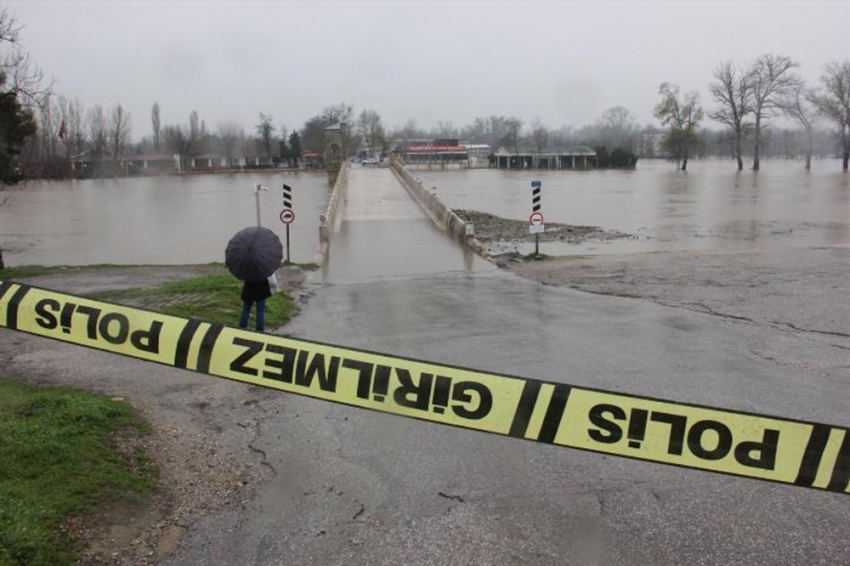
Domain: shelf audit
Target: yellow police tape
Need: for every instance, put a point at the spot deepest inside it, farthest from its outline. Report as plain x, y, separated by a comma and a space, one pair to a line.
731, 442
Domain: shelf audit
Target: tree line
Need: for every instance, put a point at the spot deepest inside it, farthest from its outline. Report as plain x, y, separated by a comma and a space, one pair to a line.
746, 99
44, 134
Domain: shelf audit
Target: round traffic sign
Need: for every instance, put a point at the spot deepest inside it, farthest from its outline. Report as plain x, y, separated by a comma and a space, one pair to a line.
287, 216
536, 219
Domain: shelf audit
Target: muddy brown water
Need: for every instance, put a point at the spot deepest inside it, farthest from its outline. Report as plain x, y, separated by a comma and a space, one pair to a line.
711, 206
182, 220
153, 220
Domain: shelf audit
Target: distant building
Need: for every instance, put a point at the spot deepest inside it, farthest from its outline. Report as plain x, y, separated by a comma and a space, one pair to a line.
579, 157
312, 160
436, 153
87, 164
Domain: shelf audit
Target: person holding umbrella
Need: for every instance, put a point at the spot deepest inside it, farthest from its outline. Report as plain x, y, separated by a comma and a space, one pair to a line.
255, 292
253, 255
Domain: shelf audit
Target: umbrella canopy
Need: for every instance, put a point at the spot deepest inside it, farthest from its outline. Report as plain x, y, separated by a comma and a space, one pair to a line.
253, 253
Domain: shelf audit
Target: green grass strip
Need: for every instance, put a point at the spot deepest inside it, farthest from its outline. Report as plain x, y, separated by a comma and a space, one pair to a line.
58, 459
214, 298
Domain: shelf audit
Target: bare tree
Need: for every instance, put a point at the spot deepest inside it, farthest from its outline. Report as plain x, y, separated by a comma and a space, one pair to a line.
22, 75
797, 105
772, 78
185, 141
733, 92
195, 130
47, 132
618, 127
62, 109
120, 127
445, 129
157, 133
265, 131
97, 131
514, 132
540, 135
832, 101
369, 125
230, 134
682, 116
76, 127
403, 135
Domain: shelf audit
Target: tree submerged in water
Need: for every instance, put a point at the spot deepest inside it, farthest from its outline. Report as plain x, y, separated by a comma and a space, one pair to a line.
618, 158
682, 115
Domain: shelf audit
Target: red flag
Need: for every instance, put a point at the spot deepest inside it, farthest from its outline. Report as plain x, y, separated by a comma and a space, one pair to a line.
63, 131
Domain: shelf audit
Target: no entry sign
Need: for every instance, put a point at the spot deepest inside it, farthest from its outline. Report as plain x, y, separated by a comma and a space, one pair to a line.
535, 223
287, 216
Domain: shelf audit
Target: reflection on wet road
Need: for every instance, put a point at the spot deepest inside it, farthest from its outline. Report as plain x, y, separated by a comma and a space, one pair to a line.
384, 234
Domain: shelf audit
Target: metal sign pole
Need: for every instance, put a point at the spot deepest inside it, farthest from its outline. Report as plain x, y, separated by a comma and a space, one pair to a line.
257, 198
288, 256
257, 188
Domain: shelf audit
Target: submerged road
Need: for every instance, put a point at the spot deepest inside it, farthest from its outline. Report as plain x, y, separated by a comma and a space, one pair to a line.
347, 486
384, 234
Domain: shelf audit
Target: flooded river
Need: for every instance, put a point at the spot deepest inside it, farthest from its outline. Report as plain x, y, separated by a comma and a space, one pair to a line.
174, 220
710, 207
154, 220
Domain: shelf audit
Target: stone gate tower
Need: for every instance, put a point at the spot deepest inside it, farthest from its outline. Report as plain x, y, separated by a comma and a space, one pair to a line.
334, 150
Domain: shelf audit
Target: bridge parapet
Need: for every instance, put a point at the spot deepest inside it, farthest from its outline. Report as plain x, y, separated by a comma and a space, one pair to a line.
328, 221
439, 213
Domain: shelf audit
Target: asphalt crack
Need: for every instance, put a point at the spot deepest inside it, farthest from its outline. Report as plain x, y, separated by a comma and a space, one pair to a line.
811, 330
258, 433
451, 497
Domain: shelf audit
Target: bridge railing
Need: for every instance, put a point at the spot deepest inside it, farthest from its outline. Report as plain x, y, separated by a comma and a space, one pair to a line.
328, 221
439, 213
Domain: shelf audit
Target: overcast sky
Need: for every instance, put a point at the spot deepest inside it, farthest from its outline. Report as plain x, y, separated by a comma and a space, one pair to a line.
560, 61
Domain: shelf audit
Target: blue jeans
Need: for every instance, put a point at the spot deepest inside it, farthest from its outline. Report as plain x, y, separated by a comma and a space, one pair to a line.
246, 312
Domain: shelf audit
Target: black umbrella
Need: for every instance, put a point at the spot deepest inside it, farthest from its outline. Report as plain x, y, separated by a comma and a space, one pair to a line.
253, 253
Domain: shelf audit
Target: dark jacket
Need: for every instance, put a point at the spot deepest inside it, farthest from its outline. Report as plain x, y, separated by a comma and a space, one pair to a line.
256, 290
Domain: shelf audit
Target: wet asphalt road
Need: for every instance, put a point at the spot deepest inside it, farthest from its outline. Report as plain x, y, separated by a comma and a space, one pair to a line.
346, 486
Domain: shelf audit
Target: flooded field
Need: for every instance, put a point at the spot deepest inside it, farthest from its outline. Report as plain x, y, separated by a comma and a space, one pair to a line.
155, 220
710, 207
175, 220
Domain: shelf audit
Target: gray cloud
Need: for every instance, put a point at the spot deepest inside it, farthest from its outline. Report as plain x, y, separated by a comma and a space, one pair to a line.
562, 62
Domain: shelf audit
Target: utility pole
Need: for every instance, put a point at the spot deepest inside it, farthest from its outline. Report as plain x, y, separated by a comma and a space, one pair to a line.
257, 189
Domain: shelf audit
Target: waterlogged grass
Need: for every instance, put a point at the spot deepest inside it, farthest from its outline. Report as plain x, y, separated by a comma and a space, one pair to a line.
58, 459
214, 298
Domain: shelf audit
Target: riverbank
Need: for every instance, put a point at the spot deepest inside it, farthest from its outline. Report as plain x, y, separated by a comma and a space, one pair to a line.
795, 288
197, 472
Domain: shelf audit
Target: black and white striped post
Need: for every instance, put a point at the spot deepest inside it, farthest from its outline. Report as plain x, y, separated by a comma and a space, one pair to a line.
536, 219
287, 206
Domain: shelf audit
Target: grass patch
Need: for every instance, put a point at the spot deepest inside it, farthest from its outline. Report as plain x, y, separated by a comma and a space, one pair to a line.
58, 459
214, 298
